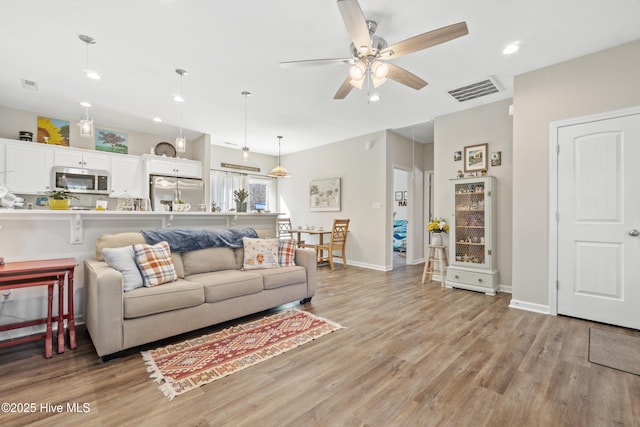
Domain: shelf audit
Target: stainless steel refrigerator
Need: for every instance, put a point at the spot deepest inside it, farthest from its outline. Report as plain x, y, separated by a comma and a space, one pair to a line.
164, 191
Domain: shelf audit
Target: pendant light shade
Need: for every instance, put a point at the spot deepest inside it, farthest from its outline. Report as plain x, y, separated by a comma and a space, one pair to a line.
181, 142
245, 149
279, 171
86, 121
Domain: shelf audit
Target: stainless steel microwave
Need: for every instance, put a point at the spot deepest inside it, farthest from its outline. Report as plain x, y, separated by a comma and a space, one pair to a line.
92, 181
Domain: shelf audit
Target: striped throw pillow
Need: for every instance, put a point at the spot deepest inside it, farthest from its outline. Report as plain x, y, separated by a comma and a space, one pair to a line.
286, 252
155, 263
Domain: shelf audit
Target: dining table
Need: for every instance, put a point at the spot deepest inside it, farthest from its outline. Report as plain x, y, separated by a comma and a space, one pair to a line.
313, 232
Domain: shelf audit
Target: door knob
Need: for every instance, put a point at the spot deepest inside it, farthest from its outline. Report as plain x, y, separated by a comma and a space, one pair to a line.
633, 232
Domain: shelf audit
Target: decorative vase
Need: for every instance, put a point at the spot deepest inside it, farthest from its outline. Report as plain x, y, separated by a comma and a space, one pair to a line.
241, 206
437, 239
59, 204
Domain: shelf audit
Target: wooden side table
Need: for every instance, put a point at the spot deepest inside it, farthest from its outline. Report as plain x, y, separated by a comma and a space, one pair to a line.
436, 253
51, 272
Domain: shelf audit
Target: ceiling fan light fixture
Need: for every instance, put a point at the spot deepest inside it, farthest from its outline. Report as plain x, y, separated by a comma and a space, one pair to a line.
357, 71
377, 82
357, 83
380, 69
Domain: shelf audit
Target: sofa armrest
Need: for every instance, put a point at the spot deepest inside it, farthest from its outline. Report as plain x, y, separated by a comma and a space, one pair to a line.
307, 258
103, 306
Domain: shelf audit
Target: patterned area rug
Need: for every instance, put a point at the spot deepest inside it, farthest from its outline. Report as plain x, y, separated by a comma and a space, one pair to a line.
193, 363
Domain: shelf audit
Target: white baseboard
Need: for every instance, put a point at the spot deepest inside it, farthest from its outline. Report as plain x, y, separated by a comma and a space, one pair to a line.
529, 306
505, 288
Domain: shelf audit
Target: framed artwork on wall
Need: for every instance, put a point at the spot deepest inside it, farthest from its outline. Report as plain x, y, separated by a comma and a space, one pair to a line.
111, 140
53, 131
496, 158
475, 157
324, 194
457, 156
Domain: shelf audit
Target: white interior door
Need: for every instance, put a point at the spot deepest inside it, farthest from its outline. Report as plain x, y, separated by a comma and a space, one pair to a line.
598, 215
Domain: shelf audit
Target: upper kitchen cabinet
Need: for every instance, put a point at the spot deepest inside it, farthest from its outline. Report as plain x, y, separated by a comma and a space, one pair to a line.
83, 159
28, 167
126, 176
186, 168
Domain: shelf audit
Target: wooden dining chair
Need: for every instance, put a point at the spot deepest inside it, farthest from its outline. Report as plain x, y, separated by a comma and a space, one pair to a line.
284, 228
338, 243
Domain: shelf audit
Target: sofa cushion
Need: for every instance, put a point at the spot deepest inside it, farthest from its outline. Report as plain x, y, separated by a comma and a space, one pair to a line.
287, 252
260, 253
207, 260
123, 260
171, 296
155, 263
284, 276
117, 241
222, 285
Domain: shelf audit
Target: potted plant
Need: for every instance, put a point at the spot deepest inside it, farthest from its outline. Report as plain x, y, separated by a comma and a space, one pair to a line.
59, 199
240, 197
437, 226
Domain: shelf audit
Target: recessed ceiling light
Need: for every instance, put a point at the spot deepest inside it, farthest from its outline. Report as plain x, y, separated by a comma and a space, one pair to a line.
157, 119
374, 98
92, 74
85, 104
178, 98
511, 48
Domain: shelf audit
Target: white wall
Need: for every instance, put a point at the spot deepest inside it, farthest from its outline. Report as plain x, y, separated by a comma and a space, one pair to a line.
364, 183
489, 124
604, 81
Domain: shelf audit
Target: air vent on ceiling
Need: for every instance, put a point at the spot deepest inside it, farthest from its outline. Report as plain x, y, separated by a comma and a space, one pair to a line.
29, 84
475, 90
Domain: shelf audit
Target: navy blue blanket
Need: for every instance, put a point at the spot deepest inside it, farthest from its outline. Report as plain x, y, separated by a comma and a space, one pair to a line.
182, 240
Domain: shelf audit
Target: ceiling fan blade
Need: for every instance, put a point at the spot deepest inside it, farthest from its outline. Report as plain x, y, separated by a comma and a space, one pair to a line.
425, 40
315, 62
355, 22
405, 77
344, 89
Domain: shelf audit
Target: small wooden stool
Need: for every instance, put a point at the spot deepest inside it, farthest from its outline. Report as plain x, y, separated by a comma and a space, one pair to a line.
439, 251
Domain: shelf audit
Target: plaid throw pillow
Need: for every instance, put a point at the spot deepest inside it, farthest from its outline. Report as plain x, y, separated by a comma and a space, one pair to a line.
286, 252
155, 263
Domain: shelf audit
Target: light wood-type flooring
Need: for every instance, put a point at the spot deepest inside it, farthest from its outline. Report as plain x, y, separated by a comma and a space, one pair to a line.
410, 355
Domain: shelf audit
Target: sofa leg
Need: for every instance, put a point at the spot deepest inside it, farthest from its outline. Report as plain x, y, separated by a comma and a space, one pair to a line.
305, 301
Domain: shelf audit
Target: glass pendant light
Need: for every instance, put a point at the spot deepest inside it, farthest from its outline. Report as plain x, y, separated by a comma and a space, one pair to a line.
181, 142
86, 121
245, 149
279, 171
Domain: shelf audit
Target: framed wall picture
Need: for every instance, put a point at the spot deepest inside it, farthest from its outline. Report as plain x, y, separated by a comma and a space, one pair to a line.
53, 131
324, 194
111, 140
457, 156
496, 158
475, 157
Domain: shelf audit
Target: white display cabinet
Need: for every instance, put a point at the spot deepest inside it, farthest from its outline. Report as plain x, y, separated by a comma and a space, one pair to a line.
473, 236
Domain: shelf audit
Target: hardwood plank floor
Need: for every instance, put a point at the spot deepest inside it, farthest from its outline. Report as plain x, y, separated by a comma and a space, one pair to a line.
409, 355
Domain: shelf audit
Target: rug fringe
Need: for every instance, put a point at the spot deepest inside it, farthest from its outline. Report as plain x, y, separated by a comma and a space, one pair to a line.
166, 388
324, 319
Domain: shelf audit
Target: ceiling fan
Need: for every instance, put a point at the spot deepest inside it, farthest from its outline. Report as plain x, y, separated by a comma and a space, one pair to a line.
370, 53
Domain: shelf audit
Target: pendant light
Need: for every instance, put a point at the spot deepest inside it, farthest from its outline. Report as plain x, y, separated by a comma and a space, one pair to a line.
86, 121
279, 171
181, 142
245, 149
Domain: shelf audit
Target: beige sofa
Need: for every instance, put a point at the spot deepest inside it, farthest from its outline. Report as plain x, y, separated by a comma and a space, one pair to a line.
211, 288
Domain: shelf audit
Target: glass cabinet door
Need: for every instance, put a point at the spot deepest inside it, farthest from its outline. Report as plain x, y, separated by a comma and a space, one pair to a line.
469, 235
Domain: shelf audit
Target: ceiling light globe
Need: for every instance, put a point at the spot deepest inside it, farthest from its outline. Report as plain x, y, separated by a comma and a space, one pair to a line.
380, 70
357, 71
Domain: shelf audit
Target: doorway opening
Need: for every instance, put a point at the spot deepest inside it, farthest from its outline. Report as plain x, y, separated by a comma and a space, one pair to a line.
401, 209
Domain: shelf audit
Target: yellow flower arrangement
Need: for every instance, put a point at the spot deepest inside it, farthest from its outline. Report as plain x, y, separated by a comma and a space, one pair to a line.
438, 225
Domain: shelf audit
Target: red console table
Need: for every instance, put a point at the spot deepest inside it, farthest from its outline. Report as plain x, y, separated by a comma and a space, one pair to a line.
49, 273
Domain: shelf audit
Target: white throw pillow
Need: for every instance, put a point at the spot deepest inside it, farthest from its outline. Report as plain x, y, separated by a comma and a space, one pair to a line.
122, 259
260, 253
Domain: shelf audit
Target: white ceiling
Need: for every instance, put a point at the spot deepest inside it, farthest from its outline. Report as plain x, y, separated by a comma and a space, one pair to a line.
228, 47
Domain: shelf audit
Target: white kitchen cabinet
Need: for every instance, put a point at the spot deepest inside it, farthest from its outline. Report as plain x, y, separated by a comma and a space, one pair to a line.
175, 167
84, 159
126, 176
28, 167
473, 236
